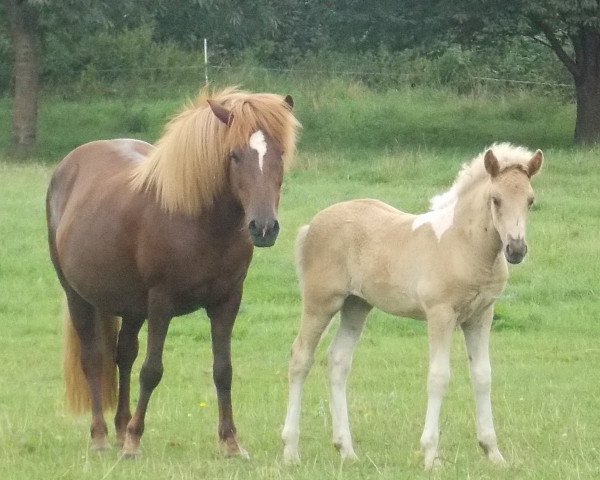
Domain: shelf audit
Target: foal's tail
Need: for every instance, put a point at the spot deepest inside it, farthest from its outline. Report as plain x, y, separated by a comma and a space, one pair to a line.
77, 392
300, 238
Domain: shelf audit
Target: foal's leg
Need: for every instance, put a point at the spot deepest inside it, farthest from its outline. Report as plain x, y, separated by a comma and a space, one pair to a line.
83, 316
315, 318
477, 335
440, 325
222, 319
353, 315
127, 350
159, 318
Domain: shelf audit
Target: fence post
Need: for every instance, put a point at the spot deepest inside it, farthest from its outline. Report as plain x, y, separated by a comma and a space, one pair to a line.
205, 62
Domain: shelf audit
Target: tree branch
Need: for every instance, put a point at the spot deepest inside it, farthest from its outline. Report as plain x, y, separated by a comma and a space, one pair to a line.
555, 45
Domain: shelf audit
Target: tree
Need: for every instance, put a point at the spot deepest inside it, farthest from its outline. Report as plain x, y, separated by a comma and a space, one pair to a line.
571, 29
29, 21
23, 19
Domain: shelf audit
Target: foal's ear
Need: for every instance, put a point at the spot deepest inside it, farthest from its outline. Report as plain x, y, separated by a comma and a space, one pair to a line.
221, 112
535, 163
491, 163
290, 101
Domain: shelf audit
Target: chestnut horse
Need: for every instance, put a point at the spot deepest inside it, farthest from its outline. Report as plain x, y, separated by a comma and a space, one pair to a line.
446, 266
142, 232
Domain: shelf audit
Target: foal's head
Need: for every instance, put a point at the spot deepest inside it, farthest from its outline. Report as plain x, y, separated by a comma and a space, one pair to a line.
511, 197
255, 176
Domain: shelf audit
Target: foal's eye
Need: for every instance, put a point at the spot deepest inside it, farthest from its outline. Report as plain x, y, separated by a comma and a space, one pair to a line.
234, 157
496, 202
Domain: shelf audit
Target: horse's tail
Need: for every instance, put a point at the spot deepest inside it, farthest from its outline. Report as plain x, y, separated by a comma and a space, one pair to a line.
77, 394
300, 238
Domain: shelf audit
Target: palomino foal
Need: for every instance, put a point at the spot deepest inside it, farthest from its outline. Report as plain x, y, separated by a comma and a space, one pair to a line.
446, 266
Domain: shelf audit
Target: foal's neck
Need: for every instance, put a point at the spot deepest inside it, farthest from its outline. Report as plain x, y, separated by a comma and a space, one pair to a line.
473, 217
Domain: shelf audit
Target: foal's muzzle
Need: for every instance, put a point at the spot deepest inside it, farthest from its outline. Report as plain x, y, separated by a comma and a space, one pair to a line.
263, 232
515, 250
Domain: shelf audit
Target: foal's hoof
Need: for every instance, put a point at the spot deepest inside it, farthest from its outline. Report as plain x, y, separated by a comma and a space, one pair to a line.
496, 458
347, 453
433, 464
231, 448
291, 456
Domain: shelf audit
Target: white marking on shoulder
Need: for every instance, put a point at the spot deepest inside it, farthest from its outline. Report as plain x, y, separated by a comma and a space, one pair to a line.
258, 143
440, 219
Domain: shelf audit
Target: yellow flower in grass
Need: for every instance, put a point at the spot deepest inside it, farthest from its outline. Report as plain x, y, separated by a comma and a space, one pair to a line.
202, 404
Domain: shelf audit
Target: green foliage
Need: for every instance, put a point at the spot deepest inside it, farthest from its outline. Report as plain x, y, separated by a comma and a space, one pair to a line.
342, 116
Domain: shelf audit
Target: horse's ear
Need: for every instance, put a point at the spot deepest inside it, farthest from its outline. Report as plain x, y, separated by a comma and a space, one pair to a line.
221, 112
290, 101
535, 163
491, 163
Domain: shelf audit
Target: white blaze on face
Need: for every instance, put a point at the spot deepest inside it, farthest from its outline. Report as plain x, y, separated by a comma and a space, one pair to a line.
440, 219
258, 143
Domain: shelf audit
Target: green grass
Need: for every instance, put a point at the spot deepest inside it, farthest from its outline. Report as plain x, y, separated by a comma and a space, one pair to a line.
545, 348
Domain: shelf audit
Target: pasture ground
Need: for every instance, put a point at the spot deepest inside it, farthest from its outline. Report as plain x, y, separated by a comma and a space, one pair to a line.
545, 346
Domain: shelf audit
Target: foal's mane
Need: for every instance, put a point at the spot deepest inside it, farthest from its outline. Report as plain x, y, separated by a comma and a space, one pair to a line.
508, 155
188, 167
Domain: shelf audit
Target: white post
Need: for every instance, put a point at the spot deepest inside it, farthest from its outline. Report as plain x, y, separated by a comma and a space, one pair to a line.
205, 62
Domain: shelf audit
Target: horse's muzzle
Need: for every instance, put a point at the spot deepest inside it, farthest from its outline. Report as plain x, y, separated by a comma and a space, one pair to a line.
515, 250
263, 233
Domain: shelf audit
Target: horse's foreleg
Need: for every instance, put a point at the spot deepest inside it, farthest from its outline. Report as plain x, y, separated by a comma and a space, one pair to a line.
440, 325
127, 350
159, 318
222, 318
315, 318
353, 316
477, 335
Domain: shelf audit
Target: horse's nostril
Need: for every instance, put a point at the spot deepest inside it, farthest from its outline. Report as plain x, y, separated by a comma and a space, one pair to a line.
276, 227
252, 227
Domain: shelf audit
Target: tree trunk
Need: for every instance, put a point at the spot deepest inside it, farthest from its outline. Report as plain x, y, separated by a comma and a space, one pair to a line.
587, 124
25, 34
587, 86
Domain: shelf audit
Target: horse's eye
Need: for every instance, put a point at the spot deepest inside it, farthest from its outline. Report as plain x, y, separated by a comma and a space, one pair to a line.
497, 202
234, 157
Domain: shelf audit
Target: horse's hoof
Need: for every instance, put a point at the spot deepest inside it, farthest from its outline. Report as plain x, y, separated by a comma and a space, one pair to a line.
231, 448
100, 444
131, 447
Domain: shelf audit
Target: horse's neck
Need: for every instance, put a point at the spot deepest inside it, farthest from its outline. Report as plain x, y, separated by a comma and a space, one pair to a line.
473, 217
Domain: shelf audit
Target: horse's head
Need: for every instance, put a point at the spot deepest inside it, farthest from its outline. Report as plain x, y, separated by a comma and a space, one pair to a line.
255, 175
511, 197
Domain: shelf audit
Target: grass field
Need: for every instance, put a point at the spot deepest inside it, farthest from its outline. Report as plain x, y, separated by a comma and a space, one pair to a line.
545, 345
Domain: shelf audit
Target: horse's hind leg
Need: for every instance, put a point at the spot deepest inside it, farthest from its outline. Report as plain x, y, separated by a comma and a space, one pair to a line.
127, 350
83, 317
477, 334
353, 315
315, 318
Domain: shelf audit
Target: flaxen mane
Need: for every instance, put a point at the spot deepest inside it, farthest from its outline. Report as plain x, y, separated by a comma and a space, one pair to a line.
188, 168
508, 156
